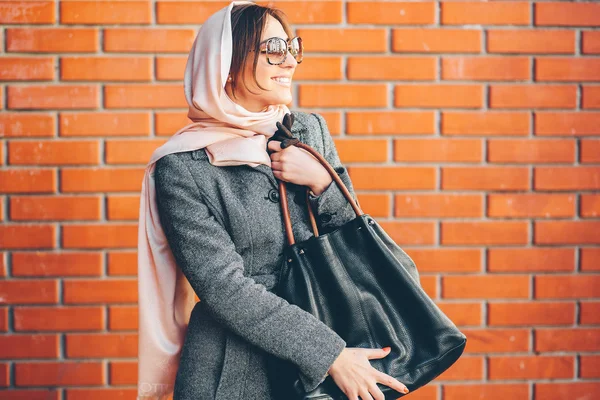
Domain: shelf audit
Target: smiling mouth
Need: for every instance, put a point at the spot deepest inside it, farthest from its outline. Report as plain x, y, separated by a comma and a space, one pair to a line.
282, 81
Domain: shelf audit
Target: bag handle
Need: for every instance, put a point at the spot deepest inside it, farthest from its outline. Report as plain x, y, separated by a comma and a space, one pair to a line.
283, 195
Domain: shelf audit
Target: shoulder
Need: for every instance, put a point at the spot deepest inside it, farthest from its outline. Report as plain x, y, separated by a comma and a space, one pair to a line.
309, 121
170, 166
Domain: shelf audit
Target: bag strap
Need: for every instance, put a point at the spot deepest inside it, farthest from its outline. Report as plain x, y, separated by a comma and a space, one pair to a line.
283, 195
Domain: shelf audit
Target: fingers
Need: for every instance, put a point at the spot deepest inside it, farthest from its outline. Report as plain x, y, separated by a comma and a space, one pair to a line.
378, 353
274, 145
390, 381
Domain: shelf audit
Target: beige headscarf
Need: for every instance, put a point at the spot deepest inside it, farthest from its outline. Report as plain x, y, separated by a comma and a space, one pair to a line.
231, 135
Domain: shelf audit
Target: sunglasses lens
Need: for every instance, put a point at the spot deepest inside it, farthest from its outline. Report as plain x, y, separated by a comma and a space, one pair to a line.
296, 48
276, 50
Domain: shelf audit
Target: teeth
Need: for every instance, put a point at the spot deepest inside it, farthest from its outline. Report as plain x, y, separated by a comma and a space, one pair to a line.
282, 80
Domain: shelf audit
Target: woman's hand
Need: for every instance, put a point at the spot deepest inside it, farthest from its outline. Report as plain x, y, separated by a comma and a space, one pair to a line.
355, 376
298, 166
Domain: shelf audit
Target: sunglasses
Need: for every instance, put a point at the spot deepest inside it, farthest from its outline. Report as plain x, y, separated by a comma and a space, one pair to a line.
277, 48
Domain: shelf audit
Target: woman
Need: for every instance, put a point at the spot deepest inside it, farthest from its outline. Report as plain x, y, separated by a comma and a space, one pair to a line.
210, 215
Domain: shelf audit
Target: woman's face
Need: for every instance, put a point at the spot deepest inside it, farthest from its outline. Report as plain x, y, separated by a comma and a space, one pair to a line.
277, 92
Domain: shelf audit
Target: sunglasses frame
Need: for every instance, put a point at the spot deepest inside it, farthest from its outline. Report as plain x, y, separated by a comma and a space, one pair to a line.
287, 48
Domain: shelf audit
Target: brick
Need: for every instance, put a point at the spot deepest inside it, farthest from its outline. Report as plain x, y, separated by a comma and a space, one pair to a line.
531, 151
20, 291
149, 40
58, 318
489, 123
320, 69
27, 125
167, 123
589, 206
590, 42
429, 284
123, 318
566, 286
529, 205
589, 151
462, 314
48, 208
446, 260
122, 263
101, 345
567, 232
27, 236
120, 151
85, 180
424, 40
376, 205
590, 367
53, 152
309, 12
484, 232
123, 207
393, 178
438, 150
106, 68
105, 12
100, 394
99, 236
27, 69
485, 178
109, 291
144, 96
333, 120
104, 124
344, 40
438, 205
589, 313
567, 69
533, 96
465, 368
590, 97
186, 12
25, 12
567, 339
566, 178
531, 41
33, 374
390, 122
4, 375
590, 259
567, 390
53, 97
533, 259
27, 181
532, 367
392, 68
343, 95
485, 287
27, 264
496, 341
501, 13
410, 233
530, 314
170, 68
567, 123
396, 13
52, 40
438, 96
565, 14
362, 150
122, 372
480, 68
30, 394
29, 346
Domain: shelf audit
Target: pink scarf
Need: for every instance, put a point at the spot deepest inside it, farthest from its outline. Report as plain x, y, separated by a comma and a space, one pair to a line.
231, 135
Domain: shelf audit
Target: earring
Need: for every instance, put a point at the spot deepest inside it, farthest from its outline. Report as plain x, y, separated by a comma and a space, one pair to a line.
229, 79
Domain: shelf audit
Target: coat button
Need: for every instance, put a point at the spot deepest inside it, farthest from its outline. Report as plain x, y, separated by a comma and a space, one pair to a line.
274, 196
325, 217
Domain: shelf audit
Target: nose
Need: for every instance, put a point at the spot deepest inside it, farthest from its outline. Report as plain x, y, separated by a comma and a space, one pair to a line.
289, 62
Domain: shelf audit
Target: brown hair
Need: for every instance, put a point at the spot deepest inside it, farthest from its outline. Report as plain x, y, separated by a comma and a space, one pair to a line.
247, 24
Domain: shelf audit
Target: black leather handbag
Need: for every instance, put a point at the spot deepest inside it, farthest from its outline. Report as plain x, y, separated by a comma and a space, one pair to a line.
360, 283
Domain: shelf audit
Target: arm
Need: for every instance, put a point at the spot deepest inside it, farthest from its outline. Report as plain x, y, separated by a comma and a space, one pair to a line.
331, 207
206, 254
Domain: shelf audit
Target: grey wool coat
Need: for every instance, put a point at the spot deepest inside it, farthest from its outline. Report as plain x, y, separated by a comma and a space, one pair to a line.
225, 228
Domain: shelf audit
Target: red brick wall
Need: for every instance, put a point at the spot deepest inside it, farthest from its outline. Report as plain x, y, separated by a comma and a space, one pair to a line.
471, 131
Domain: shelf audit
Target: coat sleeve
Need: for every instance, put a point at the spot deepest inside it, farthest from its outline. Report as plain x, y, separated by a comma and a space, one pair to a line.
331, 207
206, 254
